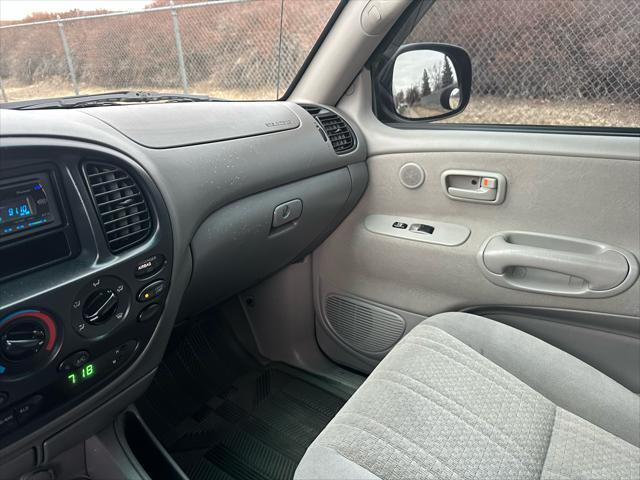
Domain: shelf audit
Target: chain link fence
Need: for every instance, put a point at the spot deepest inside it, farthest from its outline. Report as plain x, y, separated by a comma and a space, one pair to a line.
571, 62
574, 62
239, 49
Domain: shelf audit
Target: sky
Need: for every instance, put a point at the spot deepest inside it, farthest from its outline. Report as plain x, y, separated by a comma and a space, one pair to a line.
19, 9
409, 66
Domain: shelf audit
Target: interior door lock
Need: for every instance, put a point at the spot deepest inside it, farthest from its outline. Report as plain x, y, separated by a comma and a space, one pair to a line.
474, 186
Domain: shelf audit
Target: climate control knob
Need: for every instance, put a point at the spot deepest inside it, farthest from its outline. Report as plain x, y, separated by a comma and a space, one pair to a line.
23, 340
27, 339
100, 306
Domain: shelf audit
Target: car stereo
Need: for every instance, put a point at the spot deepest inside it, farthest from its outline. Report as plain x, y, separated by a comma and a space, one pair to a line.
27, 204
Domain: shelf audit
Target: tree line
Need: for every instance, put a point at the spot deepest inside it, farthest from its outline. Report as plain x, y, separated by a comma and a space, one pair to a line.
230, 46
441, 76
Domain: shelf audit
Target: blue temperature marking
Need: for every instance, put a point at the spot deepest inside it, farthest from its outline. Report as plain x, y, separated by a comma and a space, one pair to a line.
14, 315
37, 187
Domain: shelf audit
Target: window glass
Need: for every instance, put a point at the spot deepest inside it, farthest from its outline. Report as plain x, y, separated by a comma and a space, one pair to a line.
544, 62
241, 50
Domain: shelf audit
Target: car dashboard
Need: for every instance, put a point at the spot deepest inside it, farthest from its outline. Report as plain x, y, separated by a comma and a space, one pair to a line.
118, 222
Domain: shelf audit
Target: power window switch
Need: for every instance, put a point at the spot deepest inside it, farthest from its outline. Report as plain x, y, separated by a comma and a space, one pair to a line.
400, 225
488, 182
421, 228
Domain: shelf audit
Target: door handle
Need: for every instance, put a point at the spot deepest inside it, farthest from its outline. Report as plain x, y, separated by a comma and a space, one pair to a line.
484, 194
556, 265
474, 186
602, 271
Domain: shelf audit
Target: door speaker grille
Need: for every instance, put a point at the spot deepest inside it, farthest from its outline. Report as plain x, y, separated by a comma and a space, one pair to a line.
411, 175
364, 327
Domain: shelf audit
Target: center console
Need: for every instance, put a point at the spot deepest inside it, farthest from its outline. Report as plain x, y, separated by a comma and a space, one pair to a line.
85, 268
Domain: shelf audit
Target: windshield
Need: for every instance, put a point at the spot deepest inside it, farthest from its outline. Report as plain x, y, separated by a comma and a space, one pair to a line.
230, 49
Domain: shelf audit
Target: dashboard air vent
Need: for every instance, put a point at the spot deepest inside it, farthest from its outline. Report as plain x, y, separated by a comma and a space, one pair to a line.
121, 206
312, 109
340, 134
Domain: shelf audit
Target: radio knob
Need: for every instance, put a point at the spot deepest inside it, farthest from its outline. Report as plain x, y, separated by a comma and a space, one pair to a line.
100, 306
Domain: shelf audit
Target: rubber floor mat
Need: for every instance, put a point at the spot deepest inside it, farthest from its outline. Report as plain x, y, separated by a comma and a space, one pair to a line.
223, 416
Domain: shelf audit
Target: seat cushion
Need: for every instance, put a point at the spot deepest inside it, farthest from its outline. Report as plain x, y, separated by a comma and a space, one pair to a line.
437, 408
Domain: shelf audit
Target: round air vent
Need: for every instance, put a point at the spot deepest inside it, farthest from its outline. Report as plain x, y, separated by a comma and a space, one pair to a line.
412, 175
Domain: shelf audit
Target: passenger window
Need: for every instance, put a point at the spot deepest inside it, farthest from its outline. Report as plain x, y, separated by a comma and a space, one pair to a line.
543, 62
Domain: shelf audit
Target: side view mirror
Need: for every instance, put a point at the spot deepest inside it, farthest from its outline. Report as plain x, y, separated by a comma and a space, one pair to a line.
426, 81
450, 98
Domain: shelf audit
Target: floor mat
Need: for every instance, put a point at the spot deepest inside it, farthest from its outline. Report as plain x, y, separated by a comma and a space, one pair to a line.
223, 416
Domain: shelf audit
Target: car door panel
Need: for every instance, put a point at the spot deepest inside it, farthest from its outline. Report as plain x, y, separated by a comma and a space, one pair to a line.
554, 187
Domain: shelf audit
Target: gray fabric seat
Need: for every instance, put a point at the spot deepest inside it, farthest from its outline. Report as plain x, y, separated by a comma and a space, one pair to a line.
462, 396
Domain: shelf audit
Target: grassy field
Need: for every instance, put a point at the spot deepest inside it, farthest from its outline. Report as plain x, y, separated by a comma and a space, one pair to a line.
545, 112
486, 110
514, 111
62, 88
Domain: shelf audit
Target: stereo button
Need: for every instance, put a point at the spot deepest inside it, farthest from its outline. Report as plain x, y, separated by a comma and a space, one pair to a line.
151, 291
150, 312
125, 350
73, 361
80, 359
149, 266
122, 353
7, 422
28, 409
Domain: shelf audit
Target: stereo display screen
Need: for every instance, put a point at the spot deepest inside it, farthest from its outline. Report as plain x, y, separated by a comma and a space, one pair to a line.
16, 208
26, 203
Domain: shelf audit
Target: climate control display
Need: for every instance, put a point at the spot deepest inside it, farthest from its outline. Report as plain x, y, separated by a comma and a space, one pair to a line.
85, 373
